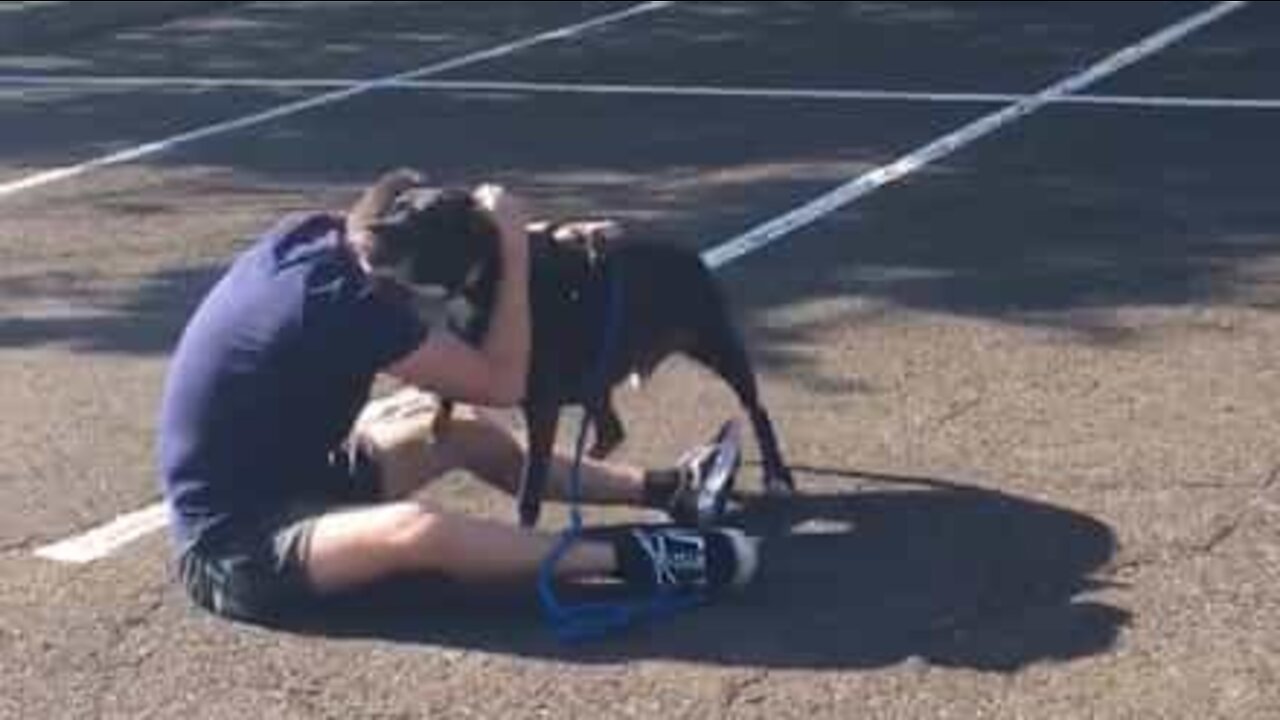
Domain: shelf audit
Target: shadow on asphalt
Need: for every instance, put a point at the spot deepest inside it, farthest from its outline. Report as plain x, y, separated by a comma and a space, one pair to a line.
1070, 216
895, 569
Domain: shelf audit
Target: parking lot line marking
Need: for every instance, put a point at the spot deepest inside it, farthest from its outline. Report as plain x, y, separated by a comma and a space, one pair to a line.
293, 108
578, 88
770, 231
106, 539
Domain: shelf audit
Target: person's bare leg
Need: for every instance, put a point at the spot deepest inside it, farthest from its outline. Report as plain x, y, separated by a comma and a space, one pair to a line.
484, 446
412, 452
350, 548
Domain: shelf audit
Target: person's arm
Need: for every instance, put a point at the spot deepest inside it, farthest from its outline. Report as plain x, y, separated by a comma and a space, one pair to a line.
495, 373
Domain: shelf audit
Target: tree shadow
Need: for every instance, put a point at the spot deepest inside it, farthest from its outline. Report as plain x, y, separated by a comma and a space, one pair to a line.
353, 40
902, 568
1064, 235
56, 310
1071, 215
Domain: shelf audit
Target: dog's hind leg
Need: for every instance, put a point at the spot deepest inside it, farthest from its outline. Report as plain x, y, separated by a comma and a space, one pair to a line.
541, 420
609, 431
720, 348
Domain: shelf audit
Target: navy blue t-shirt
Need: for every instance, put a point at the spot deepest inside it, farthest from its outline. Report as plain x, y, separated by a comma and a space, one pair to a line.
268, 377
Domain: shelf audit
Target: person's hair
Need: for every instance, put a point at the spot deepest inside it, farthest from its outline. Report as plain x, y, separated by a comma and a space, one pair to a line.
376, 202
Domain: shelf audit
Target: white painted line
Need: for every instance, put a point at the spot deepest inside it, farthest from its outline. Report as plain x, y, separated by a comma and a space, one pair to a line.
106, 539
768, 232
136, 82
834, 94
129, 155
1175, 101
103, 541
702, 91
694, 91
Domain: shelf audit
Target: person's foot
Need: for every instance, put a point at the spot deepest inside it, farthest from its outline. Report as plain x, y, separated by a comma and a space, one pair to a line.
686, 560
707, 474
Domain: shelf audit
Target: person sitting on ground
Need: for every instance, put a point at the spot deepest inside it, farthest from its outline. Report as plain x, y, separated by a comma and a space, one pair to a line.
283, 493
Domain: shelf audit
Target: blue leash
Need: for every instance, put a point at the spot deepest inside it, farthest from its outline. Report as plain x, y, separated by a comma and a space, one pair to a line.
587, 621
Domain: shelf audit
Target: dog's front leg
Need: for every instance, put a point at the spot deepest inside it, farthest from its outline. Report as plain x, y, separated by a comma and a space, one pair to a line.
542, 419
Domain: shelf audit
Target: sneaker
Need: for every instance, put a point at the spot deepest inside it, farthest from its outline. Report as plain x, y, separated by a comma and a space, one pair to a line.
707, 473
679, 559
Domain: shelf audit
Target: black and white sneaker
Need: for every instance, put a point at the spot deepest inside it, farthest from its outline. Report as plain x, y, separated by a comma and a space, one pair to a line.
674, 559
707, 474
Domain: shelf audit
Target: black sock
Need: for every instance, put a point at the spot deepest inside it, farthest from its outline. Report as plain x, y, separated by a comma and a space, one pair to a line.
660, 486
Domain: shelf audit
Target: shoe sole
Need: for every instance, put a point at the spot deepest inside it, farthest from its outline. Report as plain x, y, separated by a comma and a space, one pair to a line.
714, 493
746, 551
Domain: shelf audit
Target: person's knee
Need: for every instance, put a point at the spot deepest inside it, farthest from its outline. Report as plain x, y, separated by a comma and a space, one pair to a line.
485, 446
349, 549
413, 534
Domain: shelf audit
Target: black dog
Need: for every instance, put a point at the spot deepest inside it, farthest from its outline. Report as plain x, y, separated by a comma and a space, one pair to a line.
653, 300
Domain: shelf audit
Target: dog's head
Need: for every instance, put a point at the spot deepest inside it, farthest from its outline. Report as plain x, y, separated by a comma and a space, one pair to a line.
428, 237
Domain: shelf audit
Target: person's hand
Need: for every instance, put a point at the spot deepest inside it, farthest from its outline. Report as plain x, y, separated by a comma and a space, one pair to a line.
507, 211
